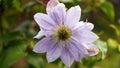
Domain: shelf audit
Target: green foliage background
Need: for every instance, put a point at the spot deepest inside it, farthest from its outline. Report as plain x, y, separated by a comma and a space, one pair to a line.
17, 29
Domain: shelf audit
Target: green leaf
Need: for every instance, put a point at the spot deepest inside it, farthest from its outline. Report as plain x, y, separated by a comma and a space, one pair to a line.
87, 9
108, 9
117, 31
102, 25
24, 26
35, 61
112, 43
8, 4
27, 7
102, 47
119, 47
1, 47
17, 5
10, 36
61, 65
12, 54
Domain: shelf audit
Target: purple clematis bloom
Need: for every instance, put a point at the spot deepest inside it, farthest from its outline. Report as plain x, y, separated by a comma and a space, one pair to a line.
66, 37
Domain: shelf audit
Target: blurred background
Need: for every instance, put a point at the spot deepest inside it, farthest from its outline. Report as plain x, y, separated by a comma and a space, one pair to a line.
17, 29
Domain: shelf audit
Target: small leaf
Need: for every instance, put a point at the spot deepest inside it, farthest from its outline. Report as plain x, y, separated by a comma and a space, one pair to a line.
108, 9
17, 5
10, 36
112, 43
87, 9
117, 31
8, 4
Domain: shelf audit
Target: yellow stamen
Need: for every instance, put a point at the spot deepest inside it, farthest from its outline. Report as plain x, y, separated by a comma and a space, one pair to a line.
63, 33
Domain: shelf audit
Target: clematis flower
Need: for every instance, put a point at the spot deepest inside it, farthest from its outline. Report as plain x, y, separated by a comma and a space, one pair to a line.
66, 37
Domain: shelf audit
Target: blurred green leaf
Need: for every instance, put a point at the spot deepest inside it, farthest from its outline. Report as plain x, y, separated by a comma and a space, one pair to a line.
17, 5
112, 43
116, 29
102, 24
28, 6
13, 4
8, 3
1, 48
13, 54
87, 9
24, 26
35, 61
119, 47
108, 9
61, 65
10, 36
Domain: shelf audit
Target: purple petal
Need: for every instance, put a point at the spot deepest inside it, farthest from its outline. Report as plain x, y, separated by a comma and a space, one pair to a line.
77, 26
82, 51
40, 34
87, 26
66, 57
73, 16
74, 51
92, 49
83, 26
44, 45
85, 36
54, 53
44, 21
58, 14
50, 5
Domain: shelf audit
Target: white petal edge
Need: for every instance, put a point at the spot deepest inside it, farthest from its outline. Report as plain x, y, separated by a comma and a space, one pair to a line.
40, 34
85, 36
73, 16
44, 21
83, 26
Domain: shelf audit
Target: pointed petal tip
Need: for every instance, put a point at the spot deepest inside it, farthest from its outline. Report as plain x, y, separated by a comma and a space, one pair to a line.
36, 15
67, 58
97, 37
49, 61
78, 8
35, 50
35, 37
90, 26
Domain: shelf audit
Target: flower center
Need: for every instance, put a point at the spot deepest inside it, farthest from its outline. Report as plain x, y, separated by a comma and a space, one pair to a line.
63, 33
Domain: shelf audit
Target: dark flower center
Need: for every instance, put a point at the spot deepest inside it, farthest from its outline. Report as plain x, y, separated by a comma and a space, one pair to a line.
63, 33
